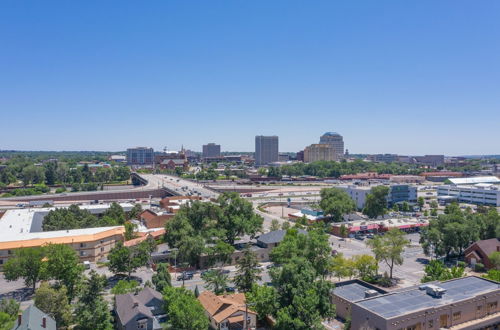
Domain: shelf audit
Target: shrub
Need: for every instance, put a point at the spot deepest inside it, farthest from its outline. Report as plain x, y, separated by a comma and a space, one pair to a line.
462, 264
60, 190
479, 267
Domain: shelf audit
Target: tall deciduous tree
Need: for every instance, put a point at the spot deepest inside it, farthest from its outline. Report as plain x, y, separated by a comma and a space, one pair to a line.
248, 272
184, 310
55, 303
63, 265
28, 264
216, 281
125, 260
376, 202
335, 203
91, 311
389, 248
162, 279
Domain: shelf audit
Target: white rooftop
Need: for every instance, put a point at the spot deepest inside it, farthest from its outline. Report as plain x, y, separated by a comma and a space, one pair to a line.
475, 180
23, 224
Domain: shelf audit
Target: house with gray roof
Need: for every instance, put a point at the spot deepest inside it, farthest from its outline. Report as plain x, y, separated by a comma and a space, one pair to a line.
34, 319
141, 310
273, 238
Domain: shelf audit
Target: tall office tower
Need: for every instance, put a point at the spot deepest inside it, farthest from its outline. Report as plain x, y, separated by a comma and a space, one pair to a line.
336, 141
211, 150
140, 156
266, 149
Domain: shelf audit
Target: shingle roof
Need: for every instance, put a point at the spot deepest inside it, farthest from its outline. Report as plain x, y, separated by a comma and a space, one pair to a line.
488, 246
275, 236
31, 319
131, 307
222, 307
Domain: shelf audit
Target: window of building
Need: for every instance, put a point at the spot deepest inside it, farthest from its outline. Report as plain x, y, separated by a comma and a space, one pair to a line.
492, 307
479, 308
82, 253
1, 261
457, 316
82, 245
102, 249
431, 323
9, 252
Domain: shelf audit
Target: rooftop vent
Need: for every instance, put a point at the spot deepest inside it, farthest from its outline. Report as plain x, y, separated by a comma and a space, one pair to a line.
435, 291
370, 293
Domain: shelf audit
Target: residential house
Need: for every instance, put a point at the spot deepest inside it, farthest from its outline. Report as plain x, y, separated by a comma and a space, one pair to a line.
480, 251
228, 311
273, 238
34, 319
142, 310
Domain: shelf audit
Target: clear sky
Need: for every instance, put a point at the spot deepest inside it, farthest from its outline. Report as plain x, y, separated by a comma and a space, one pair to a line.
407, 77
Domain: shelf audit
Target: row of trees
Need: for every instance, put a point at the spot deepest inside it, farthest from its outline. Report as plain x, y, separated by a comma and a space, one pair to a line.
211, 228
60, 264
74, 218
333, 169
54, 172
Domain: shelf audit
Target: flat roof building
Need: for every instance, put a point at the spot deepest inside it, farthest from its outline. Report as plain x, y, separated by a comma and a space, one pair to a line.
318, 152
479, 194
211, 150
463, 303
266, 150
140, 156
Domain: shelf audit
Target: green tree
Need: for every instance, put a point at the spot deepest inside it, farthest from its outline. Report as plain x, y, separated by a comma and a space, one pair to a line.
116, 212
366, 266
263, 300
421, 202
433, 204
9, 308
27, 264
335, 203
125, 260
303, 300
216, 281
495, 259
376, 202
247, 271
162, 279
91, 311
437, 271
184, 310
275, 225
220, 253
130, 229
344, 231
134, 212
55, 303
238, 217
389, 248
63, 265
124, 286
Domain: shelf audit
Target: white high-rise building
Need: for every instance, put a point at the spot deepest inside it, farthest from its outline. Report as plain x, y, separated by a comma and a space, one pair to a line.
336, 141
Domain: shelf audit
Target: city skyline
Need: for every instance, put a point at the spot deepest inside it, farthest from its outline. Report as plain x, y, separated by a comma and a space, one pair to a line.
390, 77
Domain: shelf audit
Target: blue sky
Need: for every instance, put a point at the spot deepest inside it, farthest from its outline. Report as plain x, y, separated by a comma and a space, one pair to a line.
408, 77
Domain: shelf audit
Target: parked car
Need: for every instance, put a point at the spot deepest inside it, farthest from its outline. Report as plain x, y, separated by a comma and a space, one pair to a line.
230, 289
370, 236
185, 276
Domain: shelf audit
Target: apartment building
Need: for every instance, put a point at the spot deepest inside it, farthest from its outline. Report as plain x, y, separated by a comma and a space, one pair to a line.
463, 303
317, 152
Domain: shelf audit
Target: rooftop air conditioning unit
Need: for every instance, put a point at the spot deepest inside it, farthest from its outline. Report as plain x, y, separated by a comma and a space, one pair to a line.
371, 293
435, 291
